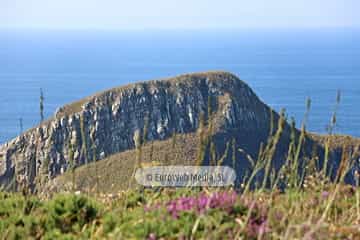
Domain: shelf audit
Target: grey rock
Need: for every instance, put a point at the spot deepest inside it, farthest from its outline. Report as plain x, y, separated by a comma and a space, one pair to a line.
111, 118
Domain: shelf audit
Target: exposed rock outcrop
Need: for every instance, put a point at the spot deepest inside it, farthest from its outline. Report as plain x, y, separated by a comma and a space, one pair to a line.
104, 124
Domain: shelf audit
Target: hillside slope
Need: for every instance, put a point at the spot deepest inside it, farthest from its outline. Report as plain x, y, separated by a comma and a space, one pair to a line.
104, 124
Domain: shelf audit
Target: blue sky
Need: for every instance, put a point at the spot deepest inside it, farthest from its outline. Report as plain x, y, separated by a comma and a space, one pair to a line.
177, 14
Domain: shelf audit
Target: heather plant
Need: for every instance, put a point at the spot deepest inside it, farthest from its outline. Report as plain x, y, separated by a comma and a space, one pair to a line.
213, 156
292, 172
29, 218
221, 160
201, 203
208, 214
202, 140
44, 175
45, 166
233, 151
267, 154
42, 98
146, 129
173, 144
96, 172
151, 153
138, 145
205, 133
330, 129
83, 139
72, 166
210, 115
69, 213
137, 138
21, 127
194, 217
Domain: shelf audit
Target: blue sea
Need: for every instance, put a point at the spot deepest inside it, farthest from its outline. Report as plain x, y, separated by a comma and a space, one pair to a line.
284, 67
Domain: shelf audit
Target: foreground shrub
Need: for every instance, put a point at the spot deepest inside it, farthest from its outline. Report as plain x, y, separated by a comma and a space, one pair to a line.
69, 213
185, 214
64, 216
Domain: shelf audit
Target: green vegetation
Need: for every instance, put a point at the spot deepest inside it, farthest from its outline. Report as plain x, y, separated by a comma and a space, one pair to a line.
330, 213
21, 128
65, 216
299, 200
41, 105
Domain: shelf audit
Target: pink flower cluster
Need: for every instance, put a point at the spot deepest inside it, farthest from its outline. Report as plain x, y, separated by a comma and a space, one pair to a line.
258, 222
257, 226
223, 200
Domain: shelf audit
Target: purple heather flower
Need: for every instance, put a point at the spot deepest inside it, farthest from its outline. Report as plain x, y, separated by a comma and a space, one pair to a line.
152, 236
279, 216
325, 194
201, 203
257, 226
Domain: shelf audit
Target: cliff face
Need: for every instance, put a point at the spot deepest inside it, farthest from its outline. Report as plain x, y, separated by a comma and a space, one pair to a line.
104, 124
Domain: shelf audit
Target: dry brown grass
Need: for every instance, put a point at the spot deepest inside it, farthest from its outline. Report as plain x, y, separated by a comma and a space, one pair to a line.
115, 171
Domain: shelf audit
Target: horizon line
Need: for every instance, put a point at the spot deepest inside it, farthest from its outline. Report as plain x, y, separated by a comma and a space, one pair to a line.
265, 28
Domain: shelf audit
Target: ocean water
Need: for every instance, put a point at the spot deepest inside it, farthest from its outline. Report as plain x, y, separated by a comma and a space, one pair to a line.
283, 67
